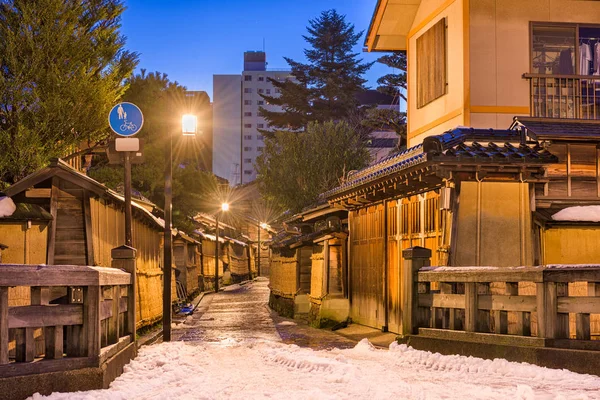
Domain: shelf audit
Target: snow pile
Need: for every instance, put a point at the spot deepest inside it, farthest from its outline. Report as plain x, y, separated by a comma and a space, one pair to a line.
286, 323
267, 369
7, 206
578, 213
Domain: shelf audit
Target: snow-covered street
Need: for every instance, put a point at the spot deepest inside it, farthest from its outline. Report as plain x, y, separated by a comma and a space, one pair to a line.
267, 369
233, 349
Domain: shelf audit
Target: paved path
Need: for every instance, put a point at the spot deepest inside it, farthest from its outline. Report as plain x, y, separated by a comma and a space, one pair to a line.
241, 312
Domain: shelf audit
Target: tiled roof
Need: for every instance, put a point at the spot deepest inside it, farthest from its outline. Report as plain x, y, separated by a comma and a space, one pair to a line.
460, 145
547, 129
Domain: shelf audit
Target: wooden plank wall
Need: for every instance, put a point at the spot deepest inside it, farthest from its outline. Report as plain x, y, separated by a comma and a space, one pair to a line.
25, 246
304, 257
69, 243
412, 221
108, 228
366, 265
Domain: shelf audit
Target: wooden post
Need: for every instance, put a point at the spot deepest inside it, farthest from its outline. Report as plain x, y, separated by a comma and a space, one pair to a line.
562, 319
112, 323
471, 306
547, 304
449, 320
582, 321
414, 259
91, 322
523, 323
3, 325
483, 316
325, 283
123, 257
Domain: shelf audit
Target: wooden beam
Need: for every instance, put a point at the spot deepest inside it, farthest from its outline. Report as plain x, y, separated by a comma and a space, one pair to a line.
53, 223
3, 325
38, 316
89, 236
38, 193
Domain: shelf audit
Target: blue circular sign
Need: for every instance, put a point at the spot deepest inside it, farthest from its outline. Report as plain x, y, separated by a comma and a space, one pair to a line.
126, 119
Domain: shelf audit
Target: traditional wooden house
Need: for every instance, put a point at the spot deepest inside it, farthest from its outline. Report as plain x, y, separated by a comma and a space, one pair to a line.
187, 255
466, 195
309, 264
65, 217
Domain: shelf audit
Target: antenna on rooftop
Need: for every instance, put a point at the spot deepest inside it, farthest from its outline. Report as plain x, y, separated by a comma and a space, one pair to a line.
263, 44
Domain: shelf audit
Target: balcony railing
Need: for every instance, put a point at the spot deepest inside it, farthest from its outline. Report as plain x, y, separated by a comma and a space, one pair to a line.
564, 96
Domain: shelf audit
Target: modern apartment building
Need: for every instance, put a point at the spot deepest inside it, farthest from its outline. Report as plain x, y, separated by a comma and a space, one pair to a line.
236, 122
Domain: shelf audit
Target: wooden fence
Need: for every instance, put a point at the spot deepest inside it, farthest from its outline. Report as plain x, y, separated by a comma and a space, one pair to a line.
463, 303
85, 328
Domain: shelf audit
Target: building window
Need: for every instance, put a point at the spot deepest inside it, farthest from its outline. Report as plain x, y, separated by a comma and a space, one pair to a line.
268, 91
247, 102
247, 148
247, 172
247, 114
247, 90
247, 125
247, 137
260, 91
247, 161
248, 78
277, 91
555, 50
431, 64
260, 126
260, 102
261, 78
259, 148
260, 137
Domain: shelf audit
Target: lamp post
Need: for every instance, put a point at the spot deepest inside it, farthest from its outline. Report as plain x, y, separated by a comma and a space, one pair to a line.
224, 207
189, 126
263, 226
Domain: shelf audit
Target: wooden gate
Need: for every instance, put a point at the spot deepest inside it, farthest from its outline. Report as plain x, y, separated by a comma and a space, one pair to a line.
366, 266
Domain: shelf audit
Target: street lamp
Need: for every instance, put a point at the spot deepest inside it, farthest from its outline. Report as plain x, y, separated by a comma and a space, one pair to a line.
224, 207
189, 127
263, 226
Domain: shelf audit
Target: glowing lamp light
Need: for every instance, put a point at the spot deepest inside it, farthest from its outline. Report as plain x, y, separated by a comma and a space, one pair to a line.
225, 207
263, 225
189, 125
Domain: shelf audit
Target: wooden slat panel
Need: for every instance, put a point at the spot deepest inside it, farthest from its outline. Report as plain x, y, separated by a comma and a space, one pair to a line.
442, 300
54, 342
44, 366
579, 304
45, 315
479, 275
3, 325
507, 303
431, 64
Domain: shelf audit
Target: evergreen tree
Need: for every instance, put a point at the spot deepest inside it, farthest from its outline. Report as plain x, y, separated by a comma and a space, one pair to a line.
295, 168
62, 67
324, 88
394, 85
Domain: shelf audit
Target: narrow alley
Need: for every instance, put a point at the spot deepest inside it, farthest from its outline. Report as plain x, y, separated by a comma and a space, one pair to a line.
234, 346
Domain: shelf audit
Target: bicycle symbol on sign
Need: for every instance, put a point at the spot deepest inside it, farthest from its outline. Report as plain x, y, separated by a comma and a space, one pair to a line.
128, 126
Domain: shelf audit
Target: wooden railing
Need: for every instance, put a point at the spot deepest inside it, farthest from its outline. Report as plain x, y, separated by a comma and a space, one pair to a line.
564, 96
524, 306
78, 317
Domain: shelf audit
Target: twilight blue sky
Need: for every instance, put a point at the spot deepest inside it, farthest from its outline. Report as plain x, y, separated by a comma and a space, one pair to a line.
191, 40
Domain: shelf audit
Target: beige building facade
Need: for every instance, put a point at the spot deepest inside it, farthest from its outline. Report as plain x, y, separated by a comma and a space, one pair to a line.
494, 60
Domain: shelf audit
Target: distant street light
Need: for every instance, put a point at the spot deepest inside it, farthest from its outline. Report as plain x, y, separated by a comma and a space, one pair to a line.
189, 127
263, 226
224, 208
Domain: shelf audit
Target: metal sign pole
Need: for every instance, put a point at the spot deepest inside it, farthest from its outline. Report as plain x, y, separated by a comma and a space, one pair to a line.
128, 232
168, 256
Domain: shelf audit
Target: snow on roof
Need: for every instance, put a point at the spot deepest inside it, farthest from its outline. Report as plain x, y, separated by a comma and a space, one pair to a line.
578, 213
7, 206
